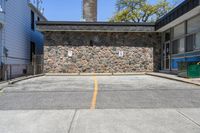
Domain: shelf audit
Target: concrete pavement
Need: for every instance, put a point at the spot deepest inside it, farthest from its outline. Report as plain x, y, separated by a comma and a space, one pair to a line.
124, 104
35, 121
114, 92
101, 121
133, 121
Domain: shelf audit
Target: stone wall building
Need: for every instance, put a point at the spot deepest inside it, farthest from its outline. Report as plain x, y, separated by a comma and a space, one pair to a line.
103, 47
100, 47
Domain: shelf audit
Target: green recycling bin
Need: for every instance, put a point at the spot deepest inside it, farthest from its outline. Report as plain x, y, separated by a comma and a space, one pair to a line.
193, 70
189, 69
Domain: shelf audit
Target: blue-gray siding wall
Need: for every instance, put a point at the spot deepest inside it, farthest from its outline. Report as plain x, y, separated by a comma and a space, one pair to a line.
17, 34
17, 31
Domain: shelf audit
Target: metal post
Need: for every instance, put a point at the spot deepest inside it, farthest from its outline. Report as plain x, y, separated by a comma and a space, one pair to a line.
6, 71
34, 65
10, 71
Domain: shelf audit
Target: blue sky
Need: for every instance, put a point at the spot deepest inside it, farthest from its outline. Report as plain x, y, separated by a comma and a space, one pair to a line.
71, 10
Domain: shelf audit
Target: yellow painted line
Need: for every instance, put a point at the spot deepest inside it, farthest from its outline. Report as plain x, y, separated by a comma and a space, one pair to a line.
94, 98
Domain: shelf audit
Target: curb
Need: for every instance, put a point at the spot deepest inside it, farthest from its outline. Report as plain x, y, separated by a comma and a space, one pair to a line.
94, 74
61, 74
24, 78
3, 85
127, 74
180, 80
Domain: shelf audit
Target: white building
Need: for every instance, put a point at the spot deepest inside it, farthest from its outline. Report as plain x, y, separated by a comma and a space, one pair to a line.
19, 39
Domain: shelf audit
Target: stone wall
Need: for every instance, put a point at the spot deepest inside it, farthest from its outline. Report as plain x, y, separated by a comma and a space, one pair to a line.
99, 52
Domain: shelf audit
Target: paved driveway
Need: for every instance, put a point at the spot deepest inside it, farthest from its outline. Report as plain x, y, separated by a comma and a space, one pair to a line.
101, 104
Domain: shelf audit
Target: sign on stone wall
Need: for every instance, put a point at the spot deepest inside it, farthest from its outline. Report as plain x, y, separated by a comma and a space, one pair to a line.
70, 53
121, 53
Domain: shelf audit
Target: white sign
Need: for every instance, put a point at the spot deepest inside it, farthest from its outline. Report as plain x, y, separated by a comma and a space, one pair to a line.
121, 53
69, 53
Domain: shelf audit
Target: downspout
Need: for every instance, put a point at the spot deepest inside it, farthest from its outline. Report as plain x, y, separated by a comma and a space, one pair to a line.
2, 32
3, 59
3, 36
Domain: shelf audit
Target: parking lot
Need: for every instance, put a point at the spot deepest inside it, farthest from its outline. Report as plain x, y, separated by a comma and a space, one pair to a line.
108, 103
114, 92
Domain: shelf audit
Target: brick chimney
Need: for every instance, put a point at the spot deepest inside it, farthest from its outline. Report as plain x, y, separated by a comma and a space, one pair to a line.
90, 10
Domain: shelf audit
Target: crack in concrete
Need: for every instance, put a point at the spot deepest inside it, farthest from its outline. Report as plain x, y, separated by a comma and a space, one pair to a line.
188, 118
71, 123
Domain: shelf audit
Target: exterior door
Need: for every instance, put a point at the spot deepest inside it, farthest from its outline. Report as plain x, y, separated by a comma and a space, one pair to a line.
167, 56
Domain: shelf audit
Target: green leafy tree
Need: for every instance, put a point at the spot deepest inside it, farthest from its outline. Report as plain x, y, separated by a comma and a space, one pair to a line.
140, 10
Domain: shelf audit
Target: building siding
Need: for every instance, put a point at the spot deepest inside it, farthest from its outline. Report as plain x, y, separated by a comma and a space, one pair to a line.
16, 35
17, 31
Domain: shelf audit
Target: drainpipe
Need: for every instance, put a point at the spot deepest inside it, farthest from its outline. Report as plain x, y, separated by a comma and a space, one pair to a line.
3, 49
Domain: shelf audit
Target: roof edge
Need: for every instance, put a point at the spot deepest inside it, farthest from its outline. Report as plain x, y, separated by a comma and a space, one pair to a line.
177, 12
82, 23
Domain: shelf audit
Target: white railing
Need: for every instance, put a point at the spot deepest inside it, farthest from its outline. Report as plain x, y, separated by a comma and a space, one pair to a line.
2, 12
37, 4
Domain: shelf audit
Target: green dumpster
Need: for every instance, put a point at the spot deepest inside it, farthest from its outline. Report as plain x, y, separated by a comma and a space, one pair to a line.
194, 70
189, 69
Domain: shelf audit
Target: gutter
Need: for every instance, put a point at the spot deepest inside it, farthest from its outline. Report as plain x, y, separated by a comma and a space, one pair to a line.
81, 23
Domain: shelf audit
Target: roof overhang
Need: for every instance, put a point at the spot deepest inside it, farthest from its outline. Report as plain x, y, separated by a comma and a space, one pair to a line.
94, 26
181, 19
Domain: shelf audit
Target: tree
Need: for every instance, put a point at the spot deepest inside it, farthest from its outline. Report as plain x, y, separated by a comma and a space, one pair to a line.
140, 10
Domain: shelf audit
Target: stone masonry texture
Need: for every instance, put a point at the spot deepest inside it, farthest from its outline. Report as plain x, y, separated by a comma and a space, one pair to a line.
98, 52
95, 28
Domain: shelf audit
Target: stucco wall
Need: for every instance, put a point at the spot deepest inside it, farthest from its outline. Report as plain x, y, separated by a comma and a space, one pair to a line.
99, 52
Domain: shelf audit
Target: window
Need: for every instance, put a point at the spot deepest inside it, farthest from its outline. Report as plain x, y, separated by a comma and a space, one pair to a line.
167, 36
175, 46
182, 45
190, 43
38, 19
179, 30
193, 24
32, 51
178, 46
197, 42
193, 42
32, 20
